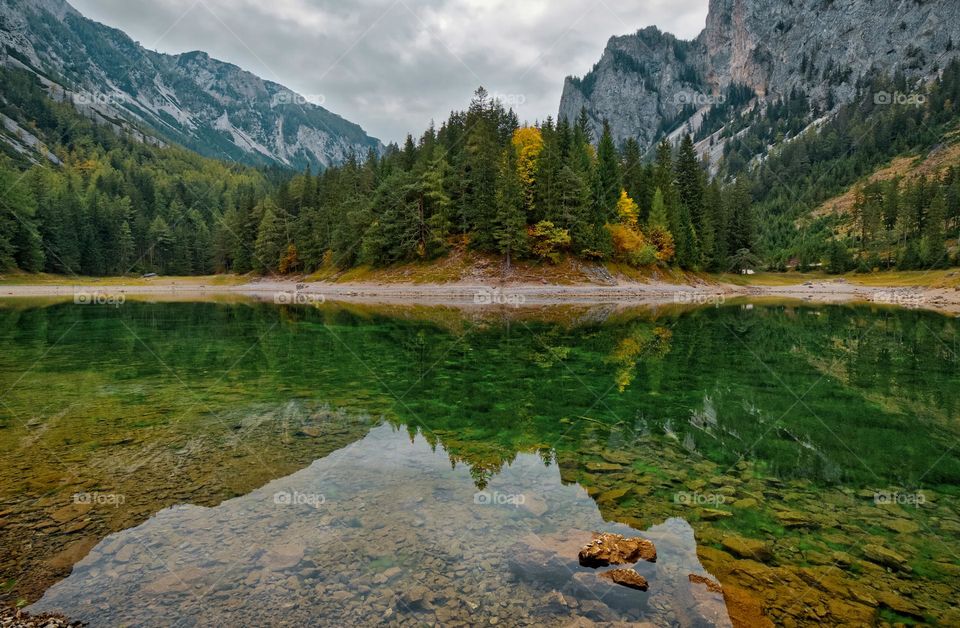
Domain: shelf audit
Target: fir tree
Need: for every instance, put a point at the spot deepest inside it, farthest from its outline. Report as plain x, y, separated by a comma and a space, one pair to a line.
933, 250
608, 179
510, 224
271, 240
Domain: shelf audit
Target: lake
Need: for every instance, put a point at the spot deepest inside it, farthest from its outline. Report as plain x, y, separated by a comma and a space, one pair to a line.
208, 464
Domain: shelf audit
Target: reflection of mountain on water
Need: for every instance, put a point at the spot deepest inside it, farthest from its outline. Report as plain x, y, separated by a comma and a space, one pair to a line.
128, 475
382, 529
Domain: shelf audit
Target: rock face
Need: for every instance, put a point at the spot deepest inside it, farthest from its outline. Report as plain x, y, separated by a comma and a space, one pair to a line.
651, 83
615, 549
209, 106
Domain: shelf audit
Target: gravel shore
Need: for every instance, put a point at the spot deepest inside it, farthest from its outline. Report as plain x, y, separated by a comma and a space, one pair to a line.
480, 294
13, 618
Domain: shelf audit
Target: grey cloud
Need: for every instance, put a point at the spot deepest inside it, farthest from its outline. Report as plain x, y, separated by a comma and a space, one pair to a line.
394, 65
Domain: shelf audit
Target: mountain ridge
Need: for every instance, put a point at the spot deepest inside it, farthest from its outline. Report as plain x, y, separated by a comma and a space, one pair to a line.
213, 107
650, 83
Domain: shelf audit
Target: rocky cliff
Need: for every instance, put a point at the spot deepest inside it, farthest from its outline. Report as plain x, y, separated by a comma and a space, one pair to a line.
207, 105
651, 83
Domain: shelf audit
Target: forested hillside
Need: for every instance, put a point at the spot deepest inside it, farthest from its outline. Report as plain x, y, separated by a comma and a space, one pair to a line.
81, 199
907, 227
104, 204
538, 191
109, 205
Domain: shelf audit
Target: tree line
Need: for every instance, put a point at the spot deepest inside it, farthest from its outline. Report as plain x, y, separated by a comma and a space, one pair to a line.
108, 205
523, 192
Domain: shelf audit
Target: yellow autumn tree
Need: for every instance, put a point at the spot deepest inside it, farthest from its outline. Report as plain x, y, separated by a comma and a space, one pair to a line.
528, 142
627, 210
629, 243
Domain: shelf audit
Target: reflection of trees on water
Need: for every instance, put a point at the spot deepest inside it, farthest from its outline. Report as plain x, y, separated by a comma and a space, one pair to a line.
725, 381
641, 343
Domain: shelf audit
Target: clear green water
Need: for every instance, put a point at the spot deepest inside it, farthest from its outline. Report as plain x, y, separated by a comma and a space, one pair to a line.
749, 442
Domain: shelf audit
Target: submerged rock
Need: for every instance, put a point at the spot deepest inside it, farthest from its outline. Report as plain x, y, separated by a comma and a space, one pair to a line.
615, 549
283, 556
707, 582
885, 557
712, 514
747, 548
603, 467
17, 618
626, 577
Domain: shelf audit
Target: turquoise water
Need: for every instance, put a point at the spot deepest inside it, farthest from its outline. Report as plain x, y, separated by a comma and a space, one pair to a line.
802, 458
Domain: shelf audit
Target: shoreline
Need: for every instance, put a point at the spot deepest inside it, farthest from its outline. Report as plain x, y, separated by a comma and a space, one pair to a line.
486, 294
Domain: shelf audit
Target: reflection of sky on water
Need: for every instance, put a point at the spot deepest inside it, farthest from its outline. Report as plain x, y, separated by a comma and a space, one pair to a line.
382, 529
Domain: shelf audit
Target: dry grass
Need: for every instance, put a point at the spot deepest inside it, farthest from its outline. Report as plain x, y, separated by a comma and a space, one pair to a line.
460, 266
45, 279
910, 167
893, 279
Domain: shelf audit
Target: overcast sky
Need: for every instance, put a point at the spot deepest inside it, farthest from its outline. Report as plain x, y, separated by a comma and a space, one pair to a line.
392, 66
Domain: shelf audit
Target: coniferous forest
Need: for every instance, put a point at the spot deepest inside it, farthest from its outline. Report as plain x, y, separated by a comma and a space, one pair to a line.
104, 204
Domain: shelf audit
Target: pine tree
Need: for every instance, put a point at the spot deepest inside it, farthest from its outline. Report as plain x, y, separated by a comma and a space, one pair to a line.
714, 235
658, 212
271, 240
125, 249
434, 207
741, 232
510, 230
547, 195
689, 178
160, 240
933, 250
608, 180
480, 172
637, 180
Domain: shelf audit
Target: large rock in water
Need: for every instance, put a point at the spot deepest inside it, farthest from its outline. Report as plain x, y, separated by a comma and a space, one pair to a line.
626, 577
615, 549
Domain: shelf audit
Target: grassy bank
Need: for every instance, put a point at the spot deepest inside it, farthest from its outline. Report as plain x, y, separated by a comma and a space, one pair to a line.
466, 268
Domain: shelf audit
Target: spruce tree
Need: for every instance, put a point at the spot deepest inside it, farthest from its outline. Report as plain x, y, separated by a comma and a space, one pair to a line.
271, 240
125, 249
689, 178
608, 179
741, 232
510, 225
933, 250
658, 212
434, 206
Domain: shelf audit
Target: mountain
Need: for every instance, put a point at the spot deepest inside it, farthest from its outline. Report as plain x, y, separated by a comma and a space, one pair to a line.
212, 107
650, 84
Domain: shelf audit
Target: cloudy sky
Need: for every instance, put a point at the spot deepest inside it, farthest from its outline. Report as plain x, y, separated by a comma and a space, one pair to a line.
394, 65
